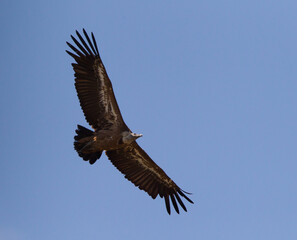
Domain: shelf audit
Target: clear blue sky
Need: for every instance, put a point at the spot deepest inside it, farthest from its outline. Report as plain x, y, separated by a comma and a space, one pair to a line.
212, 85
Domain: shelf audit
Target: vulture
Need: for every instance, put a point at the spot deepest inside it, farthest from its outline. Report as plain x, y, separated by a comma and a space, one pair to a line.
110, 133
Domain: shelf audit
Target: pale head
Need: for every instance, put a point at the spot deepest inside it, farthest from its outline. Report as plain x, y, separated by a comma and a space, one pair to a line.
129, 137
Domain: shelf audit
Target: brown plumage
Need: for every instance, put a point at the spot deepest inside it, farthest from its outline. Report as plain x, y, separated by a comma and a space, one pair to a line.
111, 134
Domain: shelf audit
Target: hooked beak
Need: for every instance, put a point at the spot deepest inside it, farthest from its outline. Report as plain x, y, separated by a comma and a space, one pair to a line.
138, 135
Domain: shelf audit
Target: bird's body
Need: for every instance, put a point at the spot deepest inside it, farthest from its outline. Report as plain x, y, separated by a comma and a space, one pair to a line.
111, 134
105, 140
101, 140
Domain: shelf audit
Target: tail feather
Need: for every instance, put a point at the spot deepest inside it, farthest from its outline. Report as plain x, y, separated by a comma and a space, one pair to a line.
83, 132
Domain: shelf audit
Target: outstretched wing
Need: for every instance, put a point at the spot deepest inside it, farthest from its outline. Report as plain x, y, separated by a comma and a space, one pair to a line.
141, 170
93, 86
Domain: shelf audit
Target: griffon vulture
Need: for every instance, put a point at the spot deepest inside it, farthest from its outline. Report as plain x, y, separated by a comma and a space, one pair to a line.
111, 134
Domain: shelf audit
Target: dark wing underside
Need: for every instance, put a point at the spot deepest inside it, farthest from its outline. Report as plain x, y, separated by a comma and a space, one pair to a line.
141, 170
93, 86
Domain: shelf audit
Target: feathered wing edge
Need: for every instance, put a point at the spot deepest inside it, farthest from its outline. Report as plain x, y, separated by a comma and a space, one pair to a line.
85, 51
144, 173
92, 84
86, 82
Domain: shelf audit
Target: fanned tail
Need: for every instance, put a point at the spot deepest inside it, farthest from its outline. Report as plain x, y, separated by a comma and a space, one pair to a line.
80, 144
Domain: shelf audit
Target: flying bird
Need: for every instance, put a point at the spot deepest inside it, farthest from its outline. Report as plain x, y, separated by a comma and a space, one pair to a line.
111, 134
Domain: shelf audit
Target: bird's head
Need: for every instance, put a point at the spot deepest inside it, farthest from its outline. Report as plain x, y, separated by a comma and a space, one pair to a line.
129, 137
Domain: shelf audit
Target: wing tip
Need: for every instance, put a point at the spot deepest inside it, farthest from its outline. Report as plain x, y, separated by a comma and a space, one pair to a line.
183, 194
81, 48
95, 43
167, 204
175, 197
174, 203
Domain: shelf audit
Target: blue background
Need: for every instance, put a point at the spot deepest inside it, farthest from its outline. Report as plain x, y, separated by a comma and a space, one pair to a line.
212, 85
